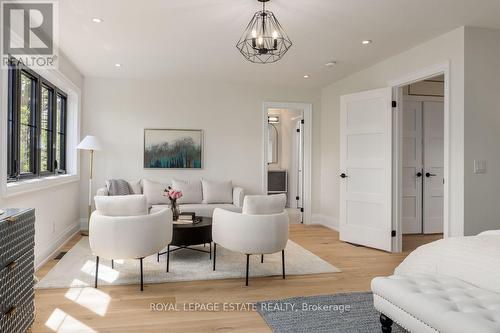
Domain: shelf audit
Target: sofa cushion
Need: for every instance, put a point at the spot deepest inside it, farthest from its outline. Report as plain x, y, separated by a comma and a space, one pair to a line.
125, 205
264, 204
191, 191
154, 192
443, 303
215, 192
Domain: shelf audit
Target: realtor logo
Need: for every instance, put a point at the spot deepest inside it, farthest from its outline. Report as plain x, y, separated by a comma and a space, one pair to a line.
30, 33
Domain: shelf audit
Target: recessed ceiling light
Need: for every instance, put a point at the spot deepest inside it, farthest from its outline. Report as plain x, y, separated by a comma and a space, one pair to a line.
366, 42
330, 63
118, 65
96, 20
306, 76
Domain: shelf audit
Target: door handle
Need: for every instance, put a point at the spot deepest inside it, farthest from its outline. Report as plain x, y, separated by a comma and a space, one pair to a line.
343, 175
429, 175
419, 174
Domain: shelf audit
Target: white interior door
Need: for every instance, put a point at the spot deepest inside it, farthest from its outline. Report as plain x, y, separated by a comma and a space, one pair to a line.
411, 215
433, 113
366, 167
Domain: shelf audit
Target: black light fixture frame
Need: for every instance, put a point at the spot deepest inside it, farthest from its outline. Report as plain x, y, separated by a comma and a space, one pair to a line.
264, 40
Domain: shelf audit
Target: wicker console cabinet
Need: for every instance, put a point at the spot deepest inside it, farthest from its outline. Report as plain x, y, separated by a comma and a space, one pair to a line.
17, 293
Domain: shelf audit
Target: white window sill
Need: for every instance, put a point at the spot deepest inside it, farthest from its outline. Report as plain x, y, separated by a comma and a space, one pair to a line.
37, 184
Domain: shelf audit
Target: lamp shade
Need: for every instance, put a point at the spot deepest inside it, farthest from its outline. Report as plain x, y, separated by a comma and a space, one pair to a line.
89, 143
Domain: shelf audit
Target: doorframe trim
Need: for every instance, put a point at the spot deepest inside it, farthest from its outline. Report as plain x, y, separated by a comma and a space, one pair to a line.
308, 118
442, 68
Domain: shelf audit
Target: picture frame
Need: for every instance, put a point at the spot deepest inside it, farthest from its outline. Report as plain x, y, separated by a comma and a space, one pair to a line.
166, 148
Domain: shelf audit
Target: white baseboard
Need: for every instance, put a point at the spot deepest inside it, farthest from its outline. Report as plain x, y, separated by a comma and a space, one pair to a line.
83, 223
327, 221
56, 244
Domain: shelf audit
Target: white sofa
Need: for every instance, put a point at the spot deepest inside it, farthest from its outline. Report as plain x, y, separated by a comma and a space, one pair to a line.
451, 285
200, 197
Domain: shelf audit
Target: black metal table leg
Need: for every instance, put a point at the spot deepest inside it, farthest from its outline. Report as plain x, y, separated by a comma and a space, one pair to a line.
215, 253
261, 258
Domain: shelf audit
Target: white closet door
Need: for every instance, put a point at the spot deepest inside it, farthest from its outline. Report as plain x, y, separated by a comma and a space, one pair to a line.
433, 166
412, 168
366, 168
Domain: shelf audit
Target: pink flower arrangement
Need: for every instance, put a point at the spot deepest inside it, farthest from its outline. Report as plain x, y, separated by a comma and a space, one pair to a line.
172, 194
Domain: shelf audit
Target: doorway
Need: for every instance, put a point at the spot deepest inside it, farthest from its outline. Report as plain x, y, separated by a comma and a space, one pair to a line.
422, 168
371, 163
287, 156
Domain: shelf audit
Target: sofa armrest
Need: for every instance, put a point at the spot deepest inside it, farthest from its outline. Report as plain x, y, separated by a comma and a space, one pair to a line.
102, 192
238, 196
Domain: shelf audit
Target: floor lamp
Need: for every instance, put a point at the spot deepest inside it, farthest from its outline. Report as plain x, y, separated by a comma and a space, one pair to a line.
91, 144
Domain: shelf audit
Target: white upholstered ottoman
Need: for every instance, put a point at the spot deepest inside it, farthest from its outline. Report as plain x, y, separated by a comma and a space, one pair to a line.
451, 285
433, 303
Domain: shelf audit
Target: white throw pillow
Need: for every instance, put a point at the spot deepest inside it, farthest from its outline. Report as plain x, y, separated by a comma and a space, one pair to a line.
264, 204
215, 192
191, 191
121, 205
135, 187
154, 192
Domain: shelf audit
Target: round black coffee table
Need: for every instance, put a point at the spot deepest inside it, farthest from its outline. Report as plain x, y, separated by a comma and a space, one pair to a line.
186, 235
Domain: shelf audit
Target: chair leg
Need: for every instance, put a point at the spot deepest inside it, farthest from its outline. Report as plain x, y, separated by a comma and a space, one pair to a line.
386, 323
283, 262
248, 265
261, 258
215, 253
112, 264
157, 257
168, 257
96, 270
210, 251
142, 278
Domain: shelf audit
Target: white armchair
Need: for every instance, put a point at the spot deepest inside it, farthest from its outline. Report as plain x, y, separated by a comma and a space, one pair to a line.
121, 228
262, 228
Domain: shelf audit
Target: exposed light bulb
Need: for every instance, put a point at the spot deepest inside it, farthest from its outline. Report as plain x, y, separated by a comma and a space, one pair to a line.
275, 34
260, 40
254, 33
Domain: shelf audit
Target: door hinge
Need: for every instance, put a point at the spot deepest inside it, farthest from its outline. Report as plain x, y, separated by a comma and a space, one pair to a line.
393, 233
301, 210
302, 121
394, 104
298, 130
297, 198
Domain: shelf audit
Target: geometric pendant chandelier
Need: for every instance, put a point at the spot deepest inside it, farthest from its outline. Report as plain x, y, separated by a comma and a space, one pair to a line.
264, 40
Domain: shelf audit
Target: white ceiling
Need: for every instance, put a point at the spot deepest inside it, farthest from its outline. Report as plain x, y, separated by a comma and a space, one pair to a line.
195, 39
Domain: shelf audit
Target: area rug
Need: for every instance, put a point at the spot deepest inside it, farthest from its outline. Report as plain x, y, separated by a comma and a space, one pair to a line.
77, 267
340, 313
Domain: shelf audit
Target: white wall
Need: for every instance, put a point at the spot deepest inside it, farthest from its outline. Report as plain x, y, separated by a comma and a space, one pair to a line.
482, 129
57, 207
117, 111
449, 46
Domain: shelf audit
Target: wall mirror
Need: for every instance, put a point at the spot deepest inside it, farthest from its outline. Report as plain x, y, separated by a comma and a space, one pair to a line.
272, 149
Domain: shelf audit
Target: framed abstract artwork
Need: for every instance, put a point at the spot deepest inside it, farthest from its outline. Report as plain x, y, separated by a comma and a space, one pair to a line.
173, 149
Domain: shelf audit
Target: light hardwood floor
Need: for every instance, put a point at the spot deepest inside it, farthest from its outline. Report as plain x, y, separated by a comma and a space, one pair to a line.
126, 309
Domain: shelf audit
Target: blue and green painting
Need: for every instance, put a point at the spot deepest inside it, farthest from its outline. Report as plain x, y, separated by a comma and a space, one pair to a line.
172, 149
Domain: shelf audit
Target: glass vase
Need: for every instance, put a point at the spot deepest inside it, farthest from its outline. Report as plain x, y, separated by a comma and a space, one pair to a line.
175, 210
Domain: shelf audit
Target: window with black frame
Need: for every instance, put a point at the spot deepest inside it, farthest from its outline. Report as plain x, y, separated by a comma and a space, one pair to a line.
37, 112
